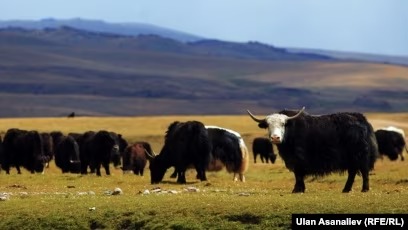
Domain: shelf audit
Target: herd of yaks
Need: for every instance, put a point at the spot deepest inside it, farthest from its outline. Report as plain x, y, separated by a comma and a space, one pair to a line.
308, 145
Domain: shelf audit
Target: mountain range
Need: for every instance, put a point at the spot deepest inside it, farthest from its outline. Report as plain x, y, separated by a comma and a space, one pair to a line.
55, 68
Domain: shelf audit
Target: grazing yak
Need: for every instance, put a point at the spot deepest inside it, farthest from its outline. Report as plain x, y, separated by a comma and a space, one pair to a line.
136, 156
391, 142
56, 137
67, 155
99, 149
319, 145
48, 147
263, 146
186, 143
23, 148
227, 149
84, 141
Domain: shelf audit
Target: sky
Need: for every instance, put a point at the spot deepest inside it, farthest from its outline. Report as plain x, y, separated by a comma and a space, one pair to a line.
366, 26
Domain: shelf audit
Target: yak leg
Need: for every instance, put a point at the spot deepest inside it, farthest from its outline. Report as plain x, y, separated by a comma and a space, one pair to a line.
181, 177
7, 168
106, 166
241, 177
18, 169
300, 183
98, 169
84, 169
255, 158
350, 180
366, 184
201, 172
7, 171
174, 174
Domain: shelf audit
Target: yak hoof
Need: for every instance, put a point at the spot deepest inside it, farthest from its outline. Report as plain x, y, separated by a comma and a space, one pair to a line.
298, 190
346, 190
364, 190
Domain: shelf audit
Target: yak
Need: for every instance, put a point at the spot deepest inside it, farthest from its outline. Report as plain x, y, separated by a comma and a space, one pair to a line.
229, 150
136, 156
23, 148
263, 146
48, 146
83, 140
186, 143
67, 155
318, 145
99, 149
391, 142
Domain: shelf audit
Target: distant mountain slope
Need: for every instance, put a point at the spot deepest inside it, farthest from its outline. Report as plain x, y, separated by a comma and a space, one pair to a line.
135, 29
68, 36
54, 72
352, 56
132, 29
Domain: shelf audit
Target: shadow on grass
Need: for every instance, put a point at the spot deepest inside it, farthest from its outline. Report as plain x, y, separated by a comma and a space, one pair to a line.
245, 218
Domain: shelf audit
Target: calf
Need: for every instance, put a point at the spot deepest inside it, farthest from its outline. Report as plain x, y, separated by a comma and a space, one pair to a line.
136, 156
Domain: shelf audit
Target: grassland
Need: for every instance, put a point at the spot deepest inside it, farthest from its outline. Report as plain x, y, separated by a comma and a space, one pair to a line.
65, 201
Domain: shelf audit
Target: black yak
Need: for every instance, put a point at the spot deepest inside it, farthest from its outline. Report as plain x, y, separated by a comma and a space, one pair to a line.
229, 150
23, 148
263, 146
67, 155
186, 143
323, 144
391, 142
99, 149
48, 146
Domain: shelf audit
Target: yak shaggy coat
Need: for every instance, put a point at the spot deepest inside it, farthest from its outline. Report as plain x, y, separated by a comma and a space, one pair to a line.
320, 145
185, 143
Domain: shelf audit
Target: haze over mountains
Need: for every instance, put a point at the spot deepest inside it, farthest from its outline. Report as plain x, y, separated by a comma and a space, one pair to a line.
53, 67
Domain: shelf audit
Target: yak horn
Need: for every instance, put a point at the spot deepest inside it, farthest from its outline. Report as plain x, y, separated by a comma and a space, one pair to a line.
254, 118
300, 112
150, 155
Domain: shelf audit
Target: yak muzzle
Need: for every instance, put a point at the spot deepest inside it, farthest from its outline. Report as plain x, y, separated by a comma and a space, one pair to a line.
275, 139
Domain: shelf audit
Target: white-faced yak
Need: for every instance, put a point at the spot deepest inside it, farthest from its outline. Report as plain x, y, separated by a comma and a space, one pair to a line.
322, 144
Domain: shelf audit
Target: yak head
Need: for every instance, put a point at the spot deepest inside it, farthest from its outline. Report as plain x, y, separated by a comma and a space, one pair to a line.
275, 123
157, 170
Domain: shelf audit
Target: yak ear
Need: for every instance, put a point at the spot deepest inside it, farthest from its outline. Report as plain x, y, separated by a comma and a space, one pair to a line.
263, 124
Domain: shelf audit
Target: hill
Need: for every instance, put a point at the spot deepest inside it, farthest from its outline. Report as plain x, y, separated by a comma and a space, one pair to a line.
129, 29
52, 72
